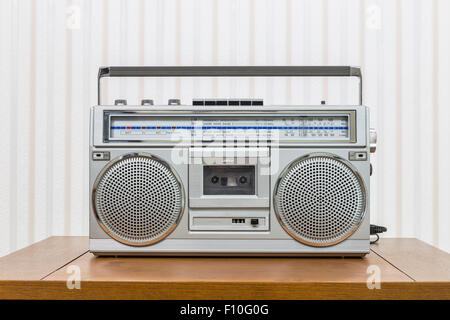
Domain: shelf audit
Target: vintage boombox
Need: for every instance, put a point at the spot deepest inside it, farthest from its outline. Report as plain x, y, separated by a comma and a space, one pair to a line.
229, 176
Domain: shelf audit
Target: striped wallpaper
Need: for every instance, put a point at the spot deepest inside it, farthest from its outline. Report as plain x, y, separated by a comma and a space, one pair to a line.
51, 51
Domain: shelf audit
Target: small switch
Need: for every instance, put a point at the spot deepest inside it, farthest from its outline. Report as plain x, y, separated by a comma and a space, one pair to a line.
357, 156
254, 222
100, 156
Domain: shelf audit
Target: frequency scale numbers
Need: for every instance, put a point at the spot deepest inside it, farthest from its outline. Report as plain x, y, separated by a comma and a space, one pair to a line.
206, 129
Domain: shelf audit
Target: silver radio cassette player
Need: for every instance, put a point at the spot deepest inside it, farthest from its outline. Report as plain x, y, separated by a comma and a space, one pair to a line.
229, 176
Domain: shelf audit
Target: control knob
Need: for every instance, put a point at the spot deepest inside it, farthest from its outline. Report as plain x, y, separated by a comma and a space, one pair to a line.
373, 140
174, 102
120, 102
147, 102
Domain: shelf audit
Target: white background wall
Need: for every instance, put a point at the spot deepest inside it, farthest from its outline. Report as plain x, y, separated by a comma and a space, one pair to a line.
50, 52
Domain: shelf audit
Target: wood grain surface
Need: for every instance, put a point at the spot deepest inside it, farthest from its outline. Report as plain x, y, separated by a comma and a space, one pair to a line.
409, 269
112, 290
200, 269
42, 258
420, 261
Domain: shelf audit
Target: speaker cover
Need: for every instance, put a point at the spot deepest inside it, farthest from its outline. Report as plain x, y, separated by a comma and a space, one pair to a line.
138, 199
320, 199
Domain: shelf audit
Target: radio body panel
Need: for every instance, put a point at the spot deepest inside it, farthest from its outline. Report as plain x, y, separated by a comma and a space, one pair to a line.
260, 180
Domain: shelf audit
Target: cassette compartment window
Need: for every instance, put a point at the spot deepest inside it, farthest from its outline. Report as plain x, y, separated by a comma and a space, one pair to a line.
229, 180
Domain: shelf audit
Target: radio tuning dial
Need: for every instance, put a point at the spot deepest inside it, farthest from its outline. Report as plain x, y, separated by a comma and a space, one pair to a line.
373, 140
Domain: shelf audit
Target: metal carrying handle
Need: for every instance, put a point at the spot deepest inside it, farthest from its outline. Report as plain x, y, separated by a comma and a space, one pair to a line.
225, 71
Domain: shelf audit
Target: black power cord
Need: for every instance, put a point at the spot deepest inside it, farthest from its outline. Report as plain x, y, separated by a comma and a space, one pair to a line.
375, 230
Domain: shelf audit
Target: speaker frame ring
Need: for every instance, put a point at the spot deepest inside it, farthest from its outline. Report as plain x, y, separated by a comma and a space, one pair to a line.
314, 155
97, 182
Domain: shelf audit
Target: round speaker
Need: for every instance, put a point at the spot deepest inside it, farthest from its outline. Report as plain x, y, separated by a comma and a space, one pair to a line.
320, 199
138, 199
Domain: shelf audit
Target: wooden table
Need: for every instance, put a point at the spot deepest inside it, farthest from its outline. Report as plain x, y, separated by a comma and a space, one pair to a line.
409, 269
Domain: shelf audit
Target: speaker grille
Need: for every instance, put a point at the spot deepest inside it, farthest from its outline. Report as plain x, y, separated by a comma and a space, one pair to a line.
138, 199
319, 200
